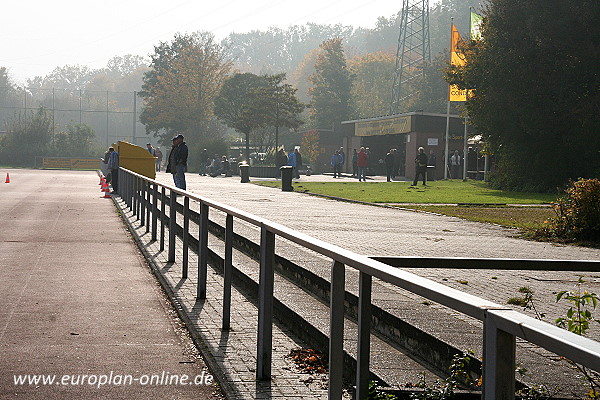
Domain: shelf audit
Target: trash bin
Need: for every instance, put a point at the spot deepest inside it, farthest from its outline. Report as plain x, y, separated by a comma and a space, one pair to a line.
431, 173
244, 172
286, 178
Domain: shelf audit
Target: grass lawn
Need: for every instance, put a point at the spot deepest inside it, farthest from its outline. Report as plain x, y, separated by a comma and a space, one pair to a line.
436, 192
476, 201
525, 218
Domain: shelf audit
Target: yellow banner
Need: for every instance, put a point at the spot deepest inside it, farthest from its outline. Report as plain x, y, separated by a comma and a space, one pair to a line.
456, 94
71, 163
389, 126
457, 59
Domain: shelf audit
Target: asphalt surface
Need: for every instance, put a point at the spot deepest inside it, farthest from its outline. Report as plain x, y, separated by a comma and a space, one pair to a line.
78, 302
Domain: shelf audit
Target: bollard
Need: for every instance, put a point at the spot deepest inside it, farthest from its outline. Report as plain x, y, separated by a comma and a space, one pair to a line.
244, 172
286, 178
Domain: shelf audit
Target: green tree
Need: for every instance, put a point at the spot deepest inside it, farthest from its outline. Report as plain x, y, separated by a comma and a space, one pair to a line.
275, 105
184, 78
537, 90
27, 135
233, 104
331, 86
9, 96
77, 141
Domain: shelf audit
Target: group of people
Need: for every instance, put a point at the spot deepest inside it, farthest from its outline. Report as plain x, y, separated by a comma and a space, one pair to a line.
214, 166
292, 159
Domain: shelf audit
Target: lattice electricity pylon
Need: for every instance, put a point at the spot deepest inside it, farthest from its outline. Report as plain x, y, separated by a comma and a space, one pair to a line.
413, 51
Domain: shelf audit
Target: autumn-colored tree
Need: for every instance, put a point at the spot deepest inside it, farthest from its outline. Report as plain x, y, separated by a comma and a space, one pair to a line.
179, 90
332, 83
373, 78
310, 145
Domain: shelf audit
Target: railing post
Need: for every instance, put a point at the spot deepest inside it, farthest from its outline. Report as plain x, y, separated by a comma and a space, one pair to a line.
127, 182
265, 304
142, 216
148, 205
130, 196
336, 330
172, 226
499, 360
364, 335
136, 200
186, 240
154, 211
227, 267
202, 252
163, 211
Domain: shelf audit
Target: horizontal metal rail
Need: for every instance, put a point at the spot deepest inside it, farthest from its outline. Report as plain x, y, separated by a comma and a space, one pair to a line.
489, 263
501, 324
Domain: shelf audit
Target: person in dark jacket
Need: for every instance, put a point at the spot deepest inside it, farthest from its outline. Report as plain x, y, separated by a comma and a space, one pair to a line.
177, 164
298, 163
421, 166
204, 162
389, 164
113, 166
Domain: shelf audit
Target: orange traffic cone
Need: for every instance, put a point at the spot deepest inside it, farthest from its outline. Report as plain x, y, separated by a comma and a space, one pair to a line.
102, 180
7, 178
106, 190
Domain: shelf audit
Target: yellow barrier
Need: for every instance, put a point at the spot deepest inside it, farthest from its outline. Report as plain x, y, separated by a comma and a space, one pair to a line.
136, 159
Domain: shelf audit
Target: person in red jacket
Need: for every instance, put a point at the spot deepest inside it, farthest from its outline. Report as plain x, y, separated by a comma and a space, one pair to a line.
361, 163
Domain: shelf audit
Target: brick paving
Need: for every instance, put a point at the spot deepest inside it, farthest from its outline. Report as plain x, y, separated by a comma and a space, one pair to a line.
372, 231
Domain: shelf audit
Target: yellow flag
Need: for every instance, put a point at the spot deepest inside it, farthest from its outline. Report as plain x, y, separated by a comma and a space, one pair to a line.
456, 58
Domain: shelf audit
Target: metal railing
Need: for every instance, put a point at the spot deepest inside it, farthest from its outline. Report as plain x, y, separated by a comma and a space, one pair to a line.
501, 324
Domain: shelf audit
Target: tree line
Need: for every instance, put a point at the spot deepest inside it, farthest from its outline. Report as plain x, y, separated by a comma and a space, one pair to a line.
535, 85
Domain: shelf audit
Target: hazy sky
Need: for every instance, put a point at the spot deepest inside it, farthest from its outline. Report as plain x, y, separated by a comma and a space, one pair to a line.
39, 35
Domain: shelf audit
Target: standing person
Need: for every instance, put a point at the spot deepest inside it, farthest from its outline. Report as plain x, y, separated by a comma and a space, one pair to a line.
389, 164
280, 161
369, 160
113, 166
177, 164
421, 166
336, 163
455, 162
203, 162
292, 162
431, 164
151, 149
159, 158
396, 163
343, 158
105, 161
362, 162
354, 164
298, 163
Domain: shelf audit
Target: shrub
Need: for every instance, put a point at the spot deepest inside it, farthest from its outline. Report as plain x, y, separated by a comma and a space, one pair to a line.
577, 214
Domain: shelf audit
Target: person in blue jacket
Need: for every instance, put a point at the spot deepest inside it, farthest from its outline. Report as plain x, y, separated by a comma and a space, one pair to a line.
292, 162
337, 160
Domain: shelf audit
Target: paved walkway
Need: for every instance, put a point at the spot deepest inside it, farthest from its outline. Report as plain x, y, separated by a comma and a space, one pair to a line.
383, 231
77, 299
